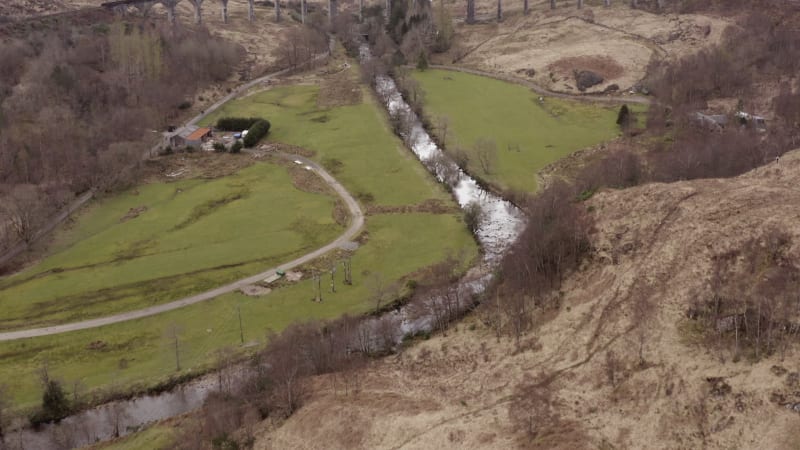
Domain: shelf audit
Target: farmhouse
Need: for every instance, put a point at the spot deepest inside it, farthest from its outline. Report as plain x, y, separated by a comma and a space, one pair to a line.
189, 136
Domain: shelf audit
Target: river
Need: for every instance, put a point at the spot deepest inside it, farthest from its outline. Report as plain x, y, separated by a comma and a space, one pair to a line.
499, 224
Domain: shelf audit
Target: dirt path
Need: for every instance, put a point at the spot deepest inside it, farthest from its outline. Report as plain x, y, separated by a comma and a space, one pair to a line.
356, 223
544, 91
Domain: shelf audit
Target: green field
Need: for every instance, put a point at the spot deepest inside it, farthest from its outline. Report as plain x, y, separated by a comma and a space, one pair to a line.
152, 438
529, 134
371, 162
196, 234
374, 166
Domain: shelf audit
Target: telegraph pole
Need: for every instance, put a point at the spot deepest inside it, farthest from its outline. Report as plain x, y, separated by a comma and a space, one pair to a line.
241, 328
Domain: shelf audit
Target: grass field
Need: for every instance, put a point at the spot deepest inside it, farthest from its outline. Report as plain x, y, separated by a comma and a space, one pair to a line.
195, 235
353, 142
152, 438
529, 134
371, 161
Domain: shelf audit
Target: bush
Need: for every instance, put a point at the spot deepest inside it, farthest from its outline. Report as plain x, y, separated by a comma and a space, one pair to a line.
257, 131
219, 147
236, 123
185, 105
55, 405
236, 147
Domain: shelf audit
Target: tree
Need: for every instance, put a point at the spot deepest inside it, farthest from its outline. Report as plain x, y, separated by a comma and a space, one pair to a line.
251, 10
552, 4
486, 151
473, 216
624, 117
580, 4
55, 405
277, 11
5, 406
499, 10
525, 8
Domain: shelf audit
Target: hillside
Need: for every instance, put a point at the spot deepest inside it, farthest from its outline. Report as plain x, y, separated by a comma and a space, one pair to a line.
577, 380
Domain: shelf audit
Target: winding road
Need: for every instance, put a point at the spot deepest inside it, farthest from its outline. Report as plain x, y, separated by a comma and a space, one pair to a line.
356, 223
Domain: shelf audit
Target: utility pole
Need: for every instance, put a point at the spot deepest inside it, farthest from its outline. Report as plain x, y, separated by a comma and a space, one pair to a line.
333, 278
348, 276
317, 287
241, 328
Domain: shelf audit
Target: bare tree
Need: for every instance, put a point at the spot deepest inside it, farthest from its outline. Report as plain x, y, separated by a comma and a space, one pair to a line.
499, 10
525, 7
251, 10
303, 11
580, 4
5, 406
552, 4
442, 127
486, 151
277, 11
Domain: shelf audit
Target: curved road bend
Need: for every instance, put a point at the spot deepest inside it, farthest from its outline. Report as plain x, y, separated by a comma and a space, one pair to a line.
356, 222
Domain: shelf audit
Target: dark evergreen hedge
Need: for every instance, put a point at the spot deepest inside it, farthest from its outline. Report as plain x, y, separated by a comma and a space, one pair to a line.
236, 123
256, 132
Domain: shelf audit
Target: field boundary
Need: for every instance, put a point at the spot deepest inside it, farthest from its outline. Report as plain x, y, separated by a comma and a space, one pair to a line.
356, 223
539, 89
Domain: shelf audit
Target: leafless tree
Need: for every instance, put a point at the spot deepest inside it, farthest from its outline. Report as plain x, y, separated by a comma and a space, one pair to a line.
277, 11
5, 406
486, 152
552, 4
442, 127
499, 10
580, 4
251, 10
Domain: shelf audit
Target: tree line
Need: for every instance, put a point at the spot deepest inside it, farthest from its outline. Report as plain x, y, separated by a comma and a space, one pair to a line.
77, 106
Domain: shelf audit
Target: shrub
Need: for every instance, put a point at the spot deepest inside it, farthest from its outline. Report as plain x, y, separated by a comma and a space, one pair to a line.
168, 150
624, 117
185, 105
256, 132
219, 147
236, 147
236, 123
55, 405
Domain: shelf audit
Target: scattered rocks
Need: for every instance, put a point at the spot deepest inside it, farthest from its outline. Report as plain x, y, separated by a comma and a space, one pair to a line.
793, 380
778, 371
96, 345
530, 73
719, 387
585, 79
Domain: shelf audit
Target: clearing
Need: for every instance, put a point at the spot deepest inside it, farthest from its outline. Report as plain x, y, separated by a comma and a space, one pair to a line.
528, 133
